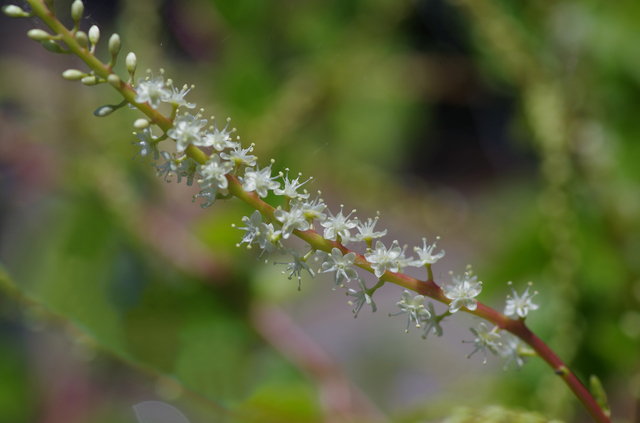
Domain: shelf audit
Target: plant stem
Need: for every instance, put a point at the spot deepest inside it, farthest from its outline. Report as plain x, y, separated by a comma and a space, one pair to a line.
427, 288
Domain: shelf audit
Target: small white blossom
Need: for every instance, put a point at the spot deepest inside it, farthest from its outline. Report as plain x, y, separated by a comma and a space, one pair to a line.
209, 195
485, 339
240, 157
362, 297
152, 90
336, 262
218, 139
168, 169
292, 219
213, 173
259, 181
338, 225
462, 292
187, 168
252, 229
148, 144
313, 210
296, 267
426, 255
382, 259
367, 232
402, 260
186, 130
269, 239
291, 187
432, 322
514, 349
414, 306
177, 97
520, 305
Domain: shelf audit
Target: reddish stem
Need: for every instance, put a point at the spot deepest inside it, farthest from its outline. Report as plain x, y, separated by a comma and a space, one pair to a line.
427, 288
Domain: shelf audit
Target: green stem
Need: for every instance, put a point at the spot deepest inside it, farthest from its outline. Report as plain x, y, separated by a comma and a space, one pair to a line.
427, 288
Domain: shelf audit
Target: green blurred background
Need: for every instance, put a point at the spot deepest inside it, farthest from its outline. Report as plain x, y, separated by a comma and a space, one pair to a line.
508, 128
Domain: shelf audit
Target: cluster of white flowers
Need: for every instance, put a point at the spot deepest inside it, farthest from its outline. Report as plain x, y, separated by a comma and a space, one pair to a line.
299, 214
227, 162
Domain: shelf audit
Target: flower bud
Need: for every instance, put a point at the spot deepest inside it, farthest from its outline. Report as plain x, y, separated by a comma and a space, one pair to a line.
141, 124
94, 35
81, 38
38, 35
13, 11
77, 9
89, 80
53, 47
114, 80
114, 45
132, 62
73, 75
104, 111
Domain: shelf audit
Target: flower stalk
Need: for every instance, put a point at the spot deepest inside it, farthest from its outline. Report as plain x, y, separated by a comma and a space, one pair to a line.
428, 288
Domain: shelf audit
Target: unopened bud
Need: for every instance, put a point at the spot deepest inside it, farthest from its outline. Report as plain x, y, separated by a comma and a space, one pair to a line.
114, 45
89, 80
73, 75
114, 80
141, 124
104, 111
38, 35
132, 62
81, 38
94, 35
77, 9
13, 11
53, 47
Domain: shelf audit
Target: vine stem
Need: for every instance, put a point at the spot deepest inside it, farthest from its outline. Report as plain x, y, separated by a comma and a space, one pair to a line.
427, 288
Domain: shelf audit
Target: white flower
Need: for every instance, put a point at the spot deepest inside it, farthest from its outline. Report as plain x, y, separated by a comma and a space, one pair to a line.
414, 306
520, 305
432, 322
313, 210
152, 90
426, 254
402, 260
269, 239
462, 293
338, 225
515, 349
336, 262
213, 173
259, 181
240, 157
296, 267
291, 187
293, 219
177, 97
187, 168
362, 297
186, 130
209, 194
148, 144
252, 229
168, 169
381, 259
367, 232
485, 339
219, 139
